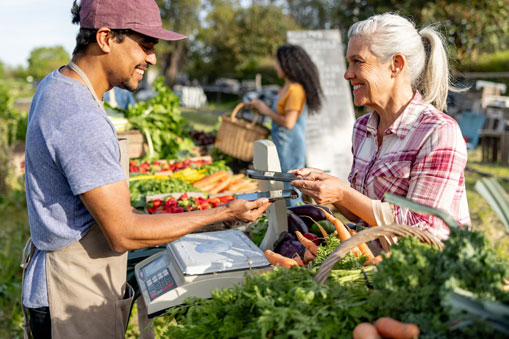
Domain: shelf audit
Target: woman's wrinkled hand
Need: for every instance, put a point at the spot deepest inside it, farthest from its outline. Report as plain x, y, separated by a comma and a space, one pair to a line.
302, 172
323, 188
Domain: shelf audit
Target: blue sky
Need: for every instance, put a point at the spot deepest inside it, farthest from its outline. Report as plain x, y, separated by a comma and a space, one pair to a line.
28, 24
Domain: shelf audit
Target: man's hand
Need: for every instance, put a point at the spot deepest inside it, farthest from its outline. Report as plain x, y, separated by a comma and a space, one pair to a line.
323, 188
247, 211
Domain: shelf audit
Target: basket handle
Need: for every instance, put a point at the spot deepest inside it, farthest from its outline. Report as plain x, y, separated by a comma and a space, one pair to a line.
238, 108
370, 234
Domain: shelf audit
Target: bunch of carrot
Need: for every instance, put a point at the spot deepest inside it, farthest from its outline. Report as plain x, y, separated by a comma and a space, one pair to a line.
222, 181
345, 233
386, 328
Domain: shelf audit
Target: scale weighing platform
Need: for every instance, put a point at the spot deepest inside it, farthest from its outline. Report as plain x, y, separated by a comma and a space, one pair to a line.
195, 265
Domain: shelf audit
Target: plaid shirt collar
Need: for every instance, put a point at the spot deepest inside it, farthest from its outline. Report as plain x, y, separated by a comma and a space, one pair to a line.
404, 123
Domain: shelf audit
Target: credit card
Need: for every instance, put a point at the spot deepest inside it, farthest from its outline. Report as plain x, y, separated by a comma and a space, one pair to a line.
271, 175
271, 195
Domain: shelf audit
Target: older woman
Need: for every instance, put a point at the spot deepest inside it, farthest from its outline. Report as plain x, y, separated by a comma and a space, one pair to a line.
406, 146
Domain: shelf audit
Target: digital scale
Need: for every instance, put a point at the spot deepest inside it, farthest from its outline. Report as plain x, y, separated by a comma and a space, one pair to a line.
198, 263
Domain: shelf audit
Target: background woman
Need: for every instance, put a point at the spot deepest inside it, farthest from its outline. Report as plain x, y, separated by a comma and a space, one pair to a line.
406, 146
301, 92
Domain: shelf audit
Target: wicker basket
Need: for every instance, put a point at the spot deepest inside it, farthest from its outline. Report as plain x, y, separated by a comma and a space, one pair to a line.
237, 136
370, 234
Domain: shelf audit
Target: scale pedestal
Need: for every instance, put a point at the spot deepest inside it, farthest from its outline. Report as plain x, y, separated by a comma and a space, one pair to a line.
266, 159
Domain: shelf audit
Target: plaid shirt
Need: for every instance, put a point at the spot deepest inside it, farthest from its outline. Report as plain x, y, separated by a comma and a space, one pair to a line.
422, 157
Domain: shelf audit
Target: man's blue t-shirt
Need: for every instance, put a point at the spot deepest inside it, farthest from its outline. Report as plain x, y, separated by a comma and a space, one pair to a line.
71, 148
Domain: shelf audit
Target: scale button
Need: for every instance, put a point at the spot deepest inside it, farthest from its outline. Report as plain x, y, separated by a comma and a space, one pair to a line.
149, 282
154, 279
165, 273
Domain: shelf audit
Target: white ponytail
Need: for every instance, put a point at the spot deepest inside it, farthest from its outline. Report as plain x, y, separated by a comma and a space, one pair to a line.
424, 51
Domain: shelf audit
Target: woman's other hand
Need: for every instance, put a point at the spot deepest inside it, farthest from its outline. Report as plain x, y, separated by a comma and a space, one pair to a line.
323, 188
259, 106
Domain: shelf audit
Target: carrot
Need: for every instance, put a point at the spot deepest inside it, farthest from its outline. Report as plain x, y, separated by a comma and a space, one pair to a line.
363, 247
324, 233
374, 261
365, 331
220, 186
277, 259
308, 256
343, 233
311, 246
391, 328
298, 259
210, 179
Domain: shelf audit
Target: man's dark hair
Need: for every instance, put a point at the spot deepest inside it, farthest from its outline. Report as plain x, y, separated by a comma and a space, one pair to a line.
298, 67
86, 36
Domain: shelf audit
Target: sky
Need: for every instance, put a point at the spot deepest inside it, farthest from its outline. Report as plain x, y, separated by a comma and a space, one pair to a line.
29, 24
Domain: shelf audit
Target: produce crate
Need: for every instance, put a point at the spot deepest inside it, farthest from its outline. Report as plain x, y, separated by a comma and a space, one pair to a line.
136, 142
208, 228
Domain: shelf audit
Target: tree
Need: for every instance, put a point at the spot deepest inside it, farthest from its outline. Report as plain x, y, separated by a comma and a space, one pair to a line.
1, 69
236, 40
472, 27
44, 60
180, 16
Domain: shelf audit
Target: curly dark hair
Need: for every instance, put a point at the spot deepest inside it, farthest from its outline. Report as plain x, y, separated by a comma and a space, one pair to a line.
298, 67
87, 36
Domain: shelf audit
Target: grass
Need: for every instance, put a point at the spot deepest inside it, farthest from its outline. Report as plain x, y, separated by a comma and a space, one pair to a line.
15, 230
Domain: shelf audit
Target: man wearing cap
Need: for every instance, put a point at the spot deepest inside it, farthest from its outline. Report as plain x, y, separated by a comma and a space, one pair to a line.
81, 221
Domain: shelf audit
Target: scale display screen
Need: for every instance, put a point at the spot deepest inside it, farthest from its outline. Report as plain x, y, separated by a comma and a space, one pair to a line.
154, 266
158, 279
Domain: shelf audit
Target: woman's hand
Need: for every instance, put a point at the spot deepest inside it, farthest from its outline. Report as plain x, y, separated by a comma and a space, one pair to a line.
302, 172
259, 106
323, 188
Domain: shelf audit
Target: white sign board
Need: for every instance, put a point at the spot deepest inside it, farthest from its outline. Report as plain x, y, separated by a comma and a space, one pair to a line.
329, 133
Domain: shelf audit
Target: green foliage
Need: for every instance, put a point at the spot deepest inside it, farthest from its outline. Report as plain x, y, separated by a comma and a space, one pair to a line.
494, 62
284, 303
13, 234
412, 284
238, 39
349, 262
159, 118
44, 60
1, 69
473, 27
141, 188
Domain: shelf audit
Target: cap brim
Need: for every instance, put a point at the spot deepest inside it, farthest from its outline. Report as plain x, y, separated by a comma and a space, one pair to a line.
160, 33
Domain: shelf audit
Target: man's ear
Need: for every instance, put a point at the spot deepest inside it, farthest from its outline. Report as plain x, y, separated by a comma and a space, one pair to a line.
398, 63
104, 39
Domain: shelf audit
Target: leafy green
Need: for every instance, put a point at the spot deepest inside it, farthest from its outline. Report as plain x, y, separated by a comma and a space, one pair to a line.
347, 263
160, 120
413, 283
139, 189
258, 229
284, 303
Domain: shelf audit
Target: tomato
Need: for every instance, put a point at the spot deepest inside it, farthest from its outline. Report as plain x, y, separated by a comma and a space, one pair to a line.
157, 202
313, 237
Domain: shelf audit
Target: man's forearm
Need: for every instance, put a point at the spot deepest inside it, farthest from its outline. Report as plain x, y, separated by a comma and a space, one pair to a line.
145, 230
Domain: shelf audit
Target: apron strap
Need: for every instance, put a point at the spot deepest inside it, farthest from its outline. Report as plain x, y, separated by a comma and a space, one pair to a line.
28, 253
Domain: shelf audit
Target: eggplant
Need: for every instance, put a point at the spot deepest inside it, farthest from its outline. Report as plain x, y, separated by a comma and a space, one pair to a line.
311, 211
284, 236
289, 248
295, 223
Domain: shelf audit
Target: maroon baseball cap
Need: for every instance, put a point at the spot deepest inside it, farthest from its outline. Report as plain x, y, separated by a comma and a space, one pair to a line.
142, 16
